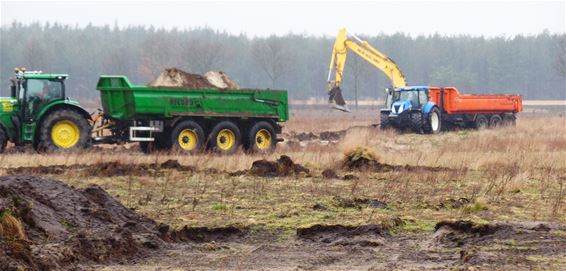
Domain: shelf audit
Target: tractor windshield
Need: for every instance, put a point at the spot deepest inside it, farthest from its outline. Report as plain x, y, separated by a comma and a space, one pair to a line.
40, 92
407, 95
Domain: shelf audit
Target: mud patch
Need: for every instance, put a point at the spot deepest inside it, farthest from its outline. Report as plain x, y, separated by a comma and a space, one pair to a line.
365, 235
204, 234
64, 225
329, 174
284, 166
105, 169
359, 203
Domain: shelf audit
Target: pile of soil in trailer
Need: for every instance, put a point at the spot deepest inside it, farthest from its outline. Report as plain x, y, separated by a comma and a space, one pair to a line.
176, 78
48, 225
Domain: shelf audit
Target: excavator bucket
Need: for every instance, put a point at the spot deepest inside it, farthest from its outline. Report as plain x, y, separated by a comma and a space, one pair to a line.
337, 100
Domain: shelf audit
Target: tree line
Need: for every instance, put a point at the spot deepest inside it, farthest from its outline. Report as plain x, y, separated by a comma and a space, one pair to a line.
533, 66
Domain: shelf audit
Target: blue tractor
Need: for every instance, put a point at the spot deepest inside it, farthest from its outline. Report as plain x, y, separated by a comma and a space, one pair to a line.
409, 108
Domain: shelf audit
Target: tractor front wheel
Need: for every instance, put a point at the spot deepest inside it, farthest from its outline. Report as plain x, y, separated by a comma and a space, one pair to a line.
63, 130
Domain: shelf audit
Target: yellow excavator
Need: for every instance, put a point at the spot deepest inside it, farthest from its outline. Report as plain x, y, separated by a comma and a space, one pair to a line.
367, 52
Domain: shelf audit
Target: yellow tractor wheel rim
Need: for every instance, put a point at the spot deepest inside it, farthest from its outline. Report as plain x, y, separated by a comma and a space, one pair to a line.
65, 134
225, 140
263, 139
188, 139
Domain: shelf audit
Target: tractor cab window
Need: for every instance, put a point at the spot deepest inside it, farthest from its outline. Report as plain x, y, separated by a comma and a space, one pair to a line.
423, 97
40, 92
407, 95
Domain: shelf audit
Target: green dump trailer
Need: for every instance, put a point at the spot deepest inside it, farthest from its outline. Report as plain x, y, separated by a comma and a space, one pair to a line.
39, 113
189, 120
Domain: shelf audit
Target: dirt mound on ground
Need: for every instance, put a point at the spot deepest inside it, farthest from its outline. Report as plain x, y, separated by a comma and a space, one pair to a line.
204, 234
64, 225
365, 235
176, 78
104, 169
363, 159
284, 166
457, 233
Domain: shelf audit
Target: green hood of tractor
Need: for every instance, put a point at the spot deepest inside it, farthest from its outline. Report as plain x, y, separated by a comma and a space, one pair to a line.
7, 104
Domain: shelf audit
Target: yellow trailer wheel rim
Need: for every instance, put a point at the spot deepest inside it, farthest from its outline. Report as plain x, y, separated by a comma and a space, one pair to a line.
226, 139
65, 134
263, 139
188, 139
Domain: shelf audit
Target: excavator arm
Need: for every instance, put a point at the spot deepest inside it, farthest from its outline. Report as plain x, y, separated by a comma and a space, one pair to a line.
367, 52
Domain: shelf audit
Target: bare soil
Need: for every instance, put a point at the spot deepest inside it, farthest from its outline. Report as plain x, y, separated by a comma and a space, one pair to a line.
64, 226
457, 245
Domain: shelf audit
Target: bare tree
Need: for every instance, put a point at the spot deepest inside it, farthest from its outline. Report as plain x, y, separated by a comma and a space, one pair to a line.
154, 56
35, 57
271, 56
204, 55
561, 65
356, 65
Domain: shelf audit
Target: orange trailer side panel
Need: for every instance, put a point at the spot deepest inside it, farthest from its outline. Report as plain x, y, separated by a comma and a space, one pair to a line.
455, 103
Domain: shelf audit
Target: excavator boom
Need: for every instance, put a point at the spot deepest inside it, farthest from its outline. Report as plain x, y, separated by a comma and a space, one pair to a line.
366, 51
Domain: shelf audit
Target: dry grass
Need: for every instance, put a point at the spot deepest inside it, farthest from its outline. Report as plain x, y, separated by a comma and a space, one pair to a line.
505, 174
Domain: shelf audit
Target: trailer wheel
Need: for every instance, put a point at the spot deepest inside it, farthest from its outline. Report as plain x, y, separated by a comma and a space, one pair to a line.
384, 121
261, 138
495, 121
481, 122
433, 124
3, 140
225, 138
187, 137
63, 130
417, 122
509, 120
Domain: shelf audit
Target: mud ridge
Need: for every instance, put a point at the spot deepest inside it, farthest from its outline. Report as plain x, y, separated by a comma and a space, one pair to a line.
104, 169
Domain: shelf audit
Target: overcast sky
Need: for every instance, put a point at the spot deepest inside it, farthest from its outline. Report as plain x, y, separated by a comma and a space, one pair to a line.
488, 18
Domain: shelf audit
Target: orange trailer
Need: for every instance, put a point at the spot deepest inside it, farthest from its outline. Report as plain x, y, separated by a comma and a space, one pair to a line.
452, 102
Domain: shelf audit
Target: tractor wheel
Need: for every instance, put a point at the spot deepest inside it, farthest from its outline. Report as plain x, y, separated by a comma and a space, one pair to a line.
384, 121
261, 138
433, 124
481, 122
225, 138
509, 120
495, 121
417, 122
63, 130
187, 137
3, 140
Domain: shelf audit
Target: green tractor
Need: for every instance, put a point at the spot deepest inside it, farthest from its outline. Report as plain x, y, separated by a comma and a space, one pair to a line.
39, 113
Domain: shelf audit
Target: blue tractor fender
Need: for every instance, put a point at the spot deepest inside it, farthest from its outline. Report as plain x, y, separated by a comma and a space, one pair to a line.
428, 107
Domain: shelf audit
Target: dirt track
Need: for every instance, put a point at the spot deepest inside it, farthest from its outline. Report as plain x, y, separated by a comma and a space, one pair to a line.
459, 246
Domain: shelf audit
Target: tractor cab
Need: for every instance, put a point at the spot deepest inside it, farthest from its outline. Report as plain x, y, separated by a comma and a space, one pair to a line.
33, 90
406, 99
